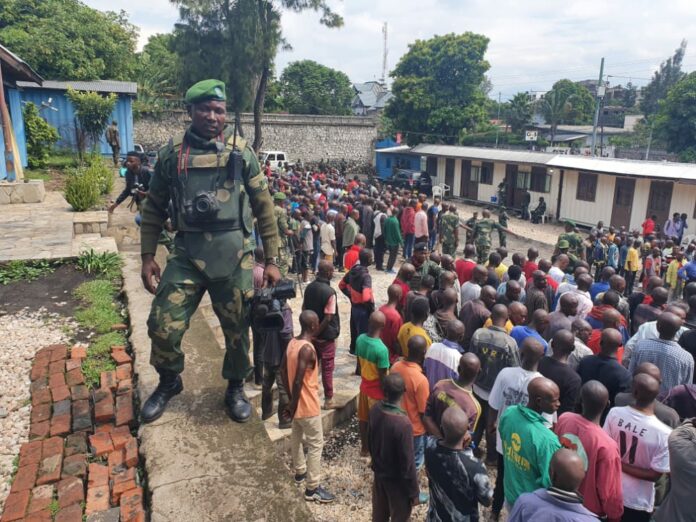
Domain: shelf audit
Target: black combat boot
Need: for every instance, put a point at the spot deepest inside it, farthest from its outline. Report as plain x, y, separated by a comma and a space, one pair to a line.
236, 403
170, 385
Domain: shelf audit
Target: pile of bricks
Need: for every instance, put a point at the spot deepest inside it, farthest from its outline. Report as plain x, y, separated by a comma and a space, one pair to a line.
81, 458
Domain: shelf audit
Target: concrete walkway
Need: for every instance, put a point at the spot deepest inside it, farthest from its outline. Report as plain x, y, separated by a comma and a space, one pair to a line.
200, 465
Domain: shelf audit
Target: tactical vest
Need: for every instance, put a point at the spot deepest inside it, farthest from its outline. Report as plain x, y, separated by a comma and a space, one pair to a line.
210, 173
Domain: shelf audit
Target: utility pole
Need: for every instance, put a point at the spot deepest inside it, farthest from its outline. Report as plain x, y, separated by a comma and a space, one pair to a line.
600, 95
10, 158
497, 126
647, 150
384, 54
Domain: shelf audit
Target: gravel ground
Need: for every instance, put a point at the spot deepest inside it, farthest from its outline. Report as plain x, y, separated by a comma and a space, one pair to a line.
22, 334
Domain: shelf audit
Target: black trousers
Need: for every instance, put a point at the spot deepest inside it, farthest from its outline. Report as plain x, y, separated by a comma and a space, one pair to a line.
379, 252
393, 252
499, 491
390, 501
633, 515
359, 315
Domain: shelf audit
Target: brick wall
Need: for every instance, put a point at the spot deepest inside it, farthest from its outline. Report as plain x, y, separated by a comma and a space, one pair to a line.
309, 138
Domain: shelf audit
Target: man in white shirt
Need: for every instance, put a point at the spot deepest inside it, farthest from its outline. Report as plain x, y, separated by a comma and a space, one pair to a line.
557, 271
327, 234
584, 281
643, 446
472, 289
649, 331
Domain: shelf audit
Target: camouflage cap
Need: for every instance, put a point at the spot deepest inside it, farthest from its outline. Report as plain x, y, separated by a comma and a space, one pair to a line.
205, 90
279, 196
563, 243
570, 223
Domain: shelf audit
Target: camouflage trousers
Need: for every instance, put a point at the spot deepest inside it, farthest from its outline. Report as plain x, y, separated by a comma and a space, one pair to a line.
178, 295
482, 251
502, 238
284, 260
449, 249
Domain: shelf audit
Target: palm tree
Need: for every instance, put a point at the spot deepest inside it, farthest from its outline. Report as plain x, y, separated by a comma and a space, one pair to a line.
555, 105
518, 113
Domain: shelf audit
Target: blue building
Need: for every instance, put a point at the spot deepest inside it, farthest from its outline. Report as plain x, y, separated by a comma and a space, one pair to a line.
390, 156
55, 107
14, 70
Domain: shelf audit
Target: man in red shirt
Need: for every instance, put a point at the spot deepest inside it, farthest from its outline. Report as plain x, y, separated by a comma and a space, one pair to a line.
649, 226
611, 318
530, 266
601, 488
545, 265
403, 278
408, 228
351, 256
465, 267
393, 322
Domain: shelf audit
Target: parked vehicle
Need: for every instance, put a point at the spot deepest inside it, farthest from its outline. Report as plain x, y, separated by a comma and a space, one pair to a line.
278, 158
412, 180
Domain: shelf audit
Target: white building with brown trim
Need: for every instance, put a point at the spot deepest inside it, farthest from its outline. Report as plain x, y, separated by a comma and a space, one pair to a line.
584, 189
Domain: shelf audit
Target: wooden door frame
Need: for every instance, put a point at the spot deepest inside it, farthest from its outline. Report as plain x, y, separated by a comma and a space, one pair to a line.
649, 211
614, 207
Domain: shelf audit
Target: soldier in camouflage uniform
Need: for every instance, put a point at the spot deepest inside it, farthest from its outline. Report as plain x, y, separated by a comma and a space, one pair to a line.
503, 218
483, 228
469, 226
281, 216
423, 266
449, 231
576, 247
214, 182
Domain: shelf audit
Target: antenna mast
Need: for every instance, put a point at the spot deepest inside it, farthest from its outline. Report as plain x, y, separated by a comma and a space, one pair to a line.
384, 54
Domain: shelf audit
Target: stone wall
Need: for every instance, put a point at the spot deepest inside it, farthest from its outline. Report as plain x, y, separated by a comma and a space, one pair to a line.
309, 138
28, 191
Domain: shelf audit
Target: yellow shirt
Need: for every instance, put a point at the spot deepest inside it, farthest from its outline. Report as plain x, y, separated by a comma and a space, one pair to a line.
500, 270
407, 331
671, 278
508, 325
633, 263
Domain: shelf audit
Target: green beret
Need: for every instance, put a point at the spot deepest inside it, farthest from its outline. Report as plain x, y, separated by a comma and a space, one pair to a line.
279, 196
570, 223
563, 243
205, 90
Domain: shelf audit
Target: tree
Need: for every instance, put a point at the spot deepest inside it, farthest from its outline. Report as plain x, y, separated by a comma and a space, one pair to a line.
677, 116
157, 71
518, 112
237, 41
568, 103
662, 81
630, 96
40, 136
92, 112
274, 97
311, 88
66, 40
437, 88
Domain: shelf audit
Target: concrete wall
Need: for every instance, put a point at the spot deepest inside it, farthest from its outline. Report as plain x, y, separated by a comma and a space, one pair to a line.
309, 138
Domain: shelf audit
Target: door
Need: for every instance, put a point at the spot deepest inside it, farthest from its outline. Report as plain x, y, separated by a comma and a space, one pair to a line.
510, 183
449, 174
659, 201
431, 166
464, 179
623, 202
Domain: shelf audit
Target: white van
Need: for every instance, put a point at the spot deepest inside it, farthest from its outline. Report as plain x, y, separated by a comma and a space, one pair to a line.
278, 158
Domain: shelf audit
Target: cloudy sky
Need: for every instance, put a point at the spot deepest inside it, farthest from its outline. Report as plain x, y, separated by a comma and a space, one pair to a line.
532, 43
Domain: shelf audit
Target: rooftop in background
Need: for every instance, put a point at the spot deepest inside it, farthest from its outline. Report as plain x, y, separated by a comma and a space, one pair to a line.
584, 129
685, 172
94, 85
370, 97
16, 70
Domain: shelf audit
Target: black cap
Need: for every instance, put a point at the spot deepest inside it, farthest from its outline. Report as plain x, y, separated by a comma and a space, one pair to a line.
421, 247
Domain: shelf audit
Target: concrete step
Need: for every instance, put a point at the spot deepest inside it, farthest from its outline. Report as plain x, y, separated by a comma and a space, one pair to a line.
87, 242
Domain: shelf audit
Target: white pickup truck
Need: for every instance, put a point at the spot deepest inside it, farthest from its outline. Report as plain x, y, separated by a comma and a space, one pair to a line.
278, 158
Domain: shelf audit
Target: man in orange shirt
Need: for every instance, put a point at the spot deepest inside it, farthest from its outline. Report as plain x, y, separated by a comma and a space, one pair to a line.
300, 373
417, 392
351, 256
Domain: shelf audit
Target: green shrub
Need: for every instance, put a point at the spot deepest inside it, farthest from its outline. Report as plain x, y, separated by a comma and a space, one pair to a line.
24, 271
81, 190
106, 263
40, 137
100, 172
101, 309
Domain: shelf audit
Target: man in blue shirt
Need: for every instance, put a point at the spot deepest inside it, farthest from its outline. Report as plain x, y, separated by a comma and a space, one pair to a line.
603, 284
688, 272
538, 323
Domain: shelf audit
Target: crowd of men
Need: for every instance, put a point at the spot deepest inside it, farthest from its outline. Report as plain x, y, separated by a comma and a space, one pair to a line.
573, 376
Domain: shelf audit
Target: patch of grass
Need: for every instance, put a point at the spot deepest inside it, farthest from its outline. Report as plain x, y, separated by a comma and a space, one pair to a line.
37, 174
54, 507
106, 264
101, 309
93, 367
62, 160
102, 344
15, 467
24, 271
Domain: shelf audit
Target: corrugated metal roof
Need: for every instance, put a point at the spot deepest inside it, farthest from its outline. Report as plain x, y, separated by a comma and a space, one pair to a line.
455, 151
644, 169
397, 149
21, 70
95, 85
618, 167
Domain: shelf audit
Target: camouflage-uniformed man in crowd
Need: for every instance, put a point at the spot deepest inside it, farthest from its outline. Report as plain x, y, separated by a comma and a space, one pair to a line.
281, 216
423, 265
575, 241
449, 231
214, 182
503, 218
469, 226
481, 233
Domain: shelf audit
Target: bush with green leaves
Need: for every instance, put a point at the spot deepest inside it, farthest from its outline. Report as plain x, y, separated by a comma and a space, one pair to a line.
24, 271
93, 112
102, 264
40, 137
100, 172
81, 190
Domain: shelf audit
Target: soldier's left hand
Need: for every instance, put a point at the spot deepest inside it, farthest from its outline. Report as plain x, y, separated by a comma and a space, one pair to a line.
271, 275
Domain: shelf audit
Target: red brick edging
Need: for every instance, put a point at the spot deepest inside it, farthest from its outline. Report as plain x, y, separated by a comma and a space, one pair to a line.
81, 451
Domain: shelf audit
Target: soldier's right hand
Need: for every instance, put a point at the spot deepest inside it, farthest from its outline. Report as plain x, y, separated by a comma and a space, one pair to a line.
149, 271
